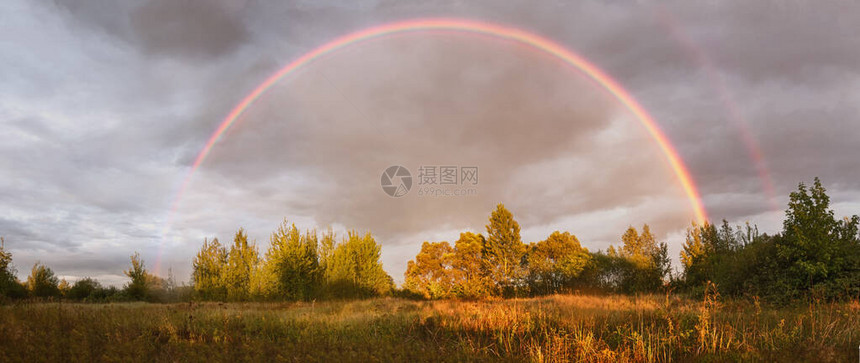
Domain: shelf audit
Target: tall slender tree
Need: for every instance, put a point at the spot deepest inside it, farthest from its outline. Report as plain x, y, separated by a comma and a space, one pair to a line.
208, 267
696, 253
469, 273
137, 287
293, 263
241, 263
504, 250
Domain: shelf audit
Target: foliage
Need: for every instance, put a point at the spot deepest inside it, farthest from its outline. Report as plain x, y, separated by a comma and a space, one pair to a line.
816, 249
136, 289
207, 271
503, 252
296, 266
501, 265
440, 271
354, 269
83, 289
292, 264
431, 274
9, 285
469, 273
242, 261
64, 287
640, 265
815, 256
42, 282
555, 264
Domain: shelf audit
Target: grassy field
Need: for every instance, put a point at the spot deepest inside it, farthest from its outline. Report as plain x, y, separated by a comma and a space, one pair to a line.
546, 329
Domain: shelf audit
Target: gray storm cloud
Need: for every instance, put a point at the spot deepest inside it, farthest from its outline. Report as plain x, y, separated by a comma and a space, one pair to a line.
105, 104
193, 29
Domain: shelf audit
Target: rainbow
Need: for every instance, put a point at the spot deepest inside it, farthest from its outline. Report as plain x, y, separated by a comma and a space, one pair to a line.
734, 113
531, 40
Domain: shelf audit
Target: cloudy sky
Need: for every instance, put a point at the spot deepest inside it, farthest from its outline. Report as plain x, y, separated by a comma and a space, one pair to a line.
105, 104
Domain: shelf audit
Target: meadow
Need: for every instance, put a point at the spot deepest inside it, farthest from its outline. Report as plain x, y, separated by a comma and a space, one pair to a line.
554, 328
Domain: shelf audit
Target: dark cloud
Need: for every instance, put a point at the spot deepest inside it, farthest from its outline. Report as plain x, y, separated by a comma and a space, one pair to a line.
195, 28
107, 17
773, 40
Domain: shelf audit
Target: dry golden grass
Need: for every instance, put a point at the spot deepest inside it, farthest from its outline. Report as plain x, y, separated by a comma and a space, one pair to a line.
558, 328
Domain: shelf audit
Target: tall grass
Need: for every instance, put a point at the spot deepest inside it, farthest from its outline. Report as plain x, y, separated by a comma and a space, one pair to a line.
558, 328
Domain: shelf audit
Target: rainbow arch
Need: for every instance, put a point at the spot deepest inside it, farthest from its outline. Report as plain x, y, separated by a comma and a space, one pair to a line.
718, 83
534, 41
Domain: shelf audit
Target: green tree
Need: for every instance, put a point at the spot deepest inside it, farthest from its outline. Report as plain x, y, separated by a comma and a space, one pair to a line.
83, 289
815, 253
136, 289
9, 285
555, 264
711, 254
662, 267
503, 251
42, 282
430, 274
242, 261
207, 271
604, 271
327, 244
293, 263
696, 253
642, 263
157, 288
355, 269
7, 272
816, 249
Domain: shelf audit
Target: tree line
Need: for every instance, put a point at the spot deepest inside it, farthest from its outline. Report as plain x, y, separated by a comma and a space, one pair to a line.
296, 266
43, 283
500, 264
815, 255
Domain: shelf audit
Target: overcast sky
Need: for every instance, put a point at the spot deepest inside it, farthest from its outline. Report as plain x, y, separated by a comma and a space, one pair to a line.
105, 104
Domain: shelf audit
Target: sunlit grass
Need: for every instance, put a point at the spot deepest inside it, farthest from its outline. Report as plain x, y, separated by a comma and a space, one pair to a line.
555, 328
